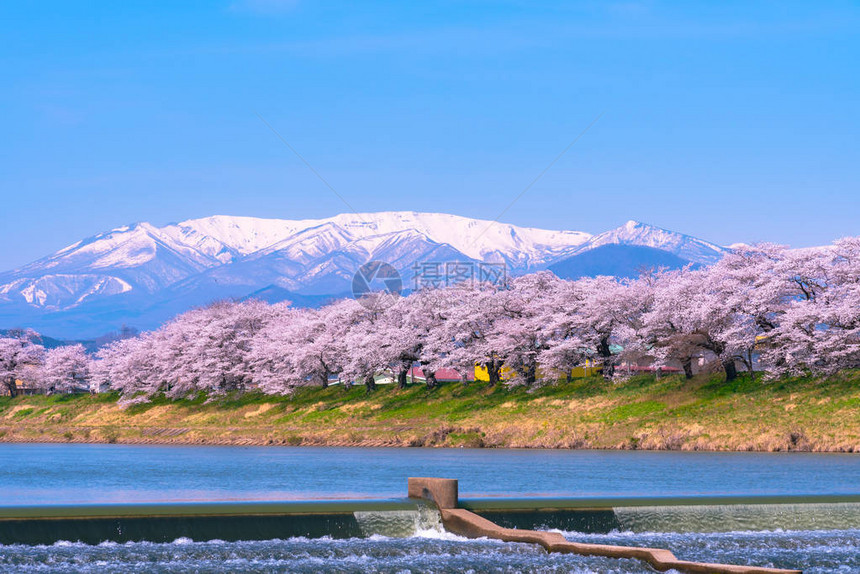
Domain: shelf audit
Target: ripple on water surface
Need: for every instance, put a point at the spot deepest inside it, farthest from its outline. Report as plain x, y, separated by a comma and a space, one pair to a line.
814, 552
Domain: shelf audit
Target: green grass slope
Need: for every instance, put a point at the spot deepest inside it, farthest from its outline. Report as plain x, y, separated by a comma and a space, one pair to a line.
705, 413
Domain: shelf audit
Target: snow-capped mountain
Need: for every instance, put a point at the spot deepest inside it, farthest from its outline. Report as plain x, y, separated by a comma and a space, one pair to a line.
245, 250
635, 233
300, 265
142, 274
628, 250
140, 258
519, 247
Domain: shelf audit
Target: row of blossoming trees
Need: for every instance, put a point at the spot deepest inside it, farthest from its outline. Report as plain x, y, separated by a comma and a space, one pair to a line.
787, 311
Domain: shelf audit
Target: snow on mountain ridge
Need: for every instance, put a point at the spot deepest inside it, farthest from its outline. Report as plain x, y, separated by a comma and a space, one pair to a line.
138, 257
475, 238
143, 274
138, 266
324, 257
159, 256
241, 235
129, 246
645, 235
64, 291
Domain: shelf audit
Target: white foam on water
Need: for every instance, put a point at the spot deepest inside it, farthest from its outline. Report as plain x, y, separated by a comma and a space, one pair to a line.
67, 544
431, 550
182, 540
440, 534
375, 538
216, 542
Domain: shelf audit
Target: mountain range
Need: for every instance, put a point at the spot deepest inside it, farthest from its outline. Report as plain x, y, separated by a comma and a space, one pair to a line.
141, 274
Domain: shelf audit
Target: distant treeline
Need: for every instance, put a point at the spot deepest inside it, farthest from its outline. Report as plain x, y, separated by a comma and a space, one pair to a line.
787, 311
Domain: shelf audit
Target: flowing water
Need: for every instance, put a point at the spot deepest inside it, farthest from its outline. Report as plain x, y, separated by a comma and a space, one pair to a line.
817, 538
815, 552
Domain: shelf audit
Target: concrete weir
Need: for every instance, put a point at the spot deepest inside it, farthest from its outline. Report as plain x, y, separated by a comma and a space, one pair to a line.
444, 493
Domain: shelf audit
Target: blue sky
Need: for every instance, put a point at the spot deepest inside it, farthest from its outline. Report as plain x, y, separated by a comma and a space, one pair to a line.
733, 121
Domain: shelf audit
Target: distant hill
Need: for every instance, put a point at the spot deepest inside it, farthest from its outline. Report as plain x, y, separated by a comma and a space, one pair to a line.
275, 294
51, 343
623, 261
686, 247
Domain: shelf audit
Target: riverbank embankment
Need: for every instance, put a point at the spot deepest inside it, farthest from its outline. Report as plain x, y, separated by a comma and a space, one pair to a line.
671, 413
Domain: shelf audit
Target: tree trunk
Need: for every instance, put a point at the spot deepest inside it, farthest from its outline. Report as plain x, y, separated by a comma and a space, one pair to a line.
531, 374
369, 383
605, 353
731, 370
494, 369
11, 387
751, 364
688, 367
325, 374
402, 375
430, 378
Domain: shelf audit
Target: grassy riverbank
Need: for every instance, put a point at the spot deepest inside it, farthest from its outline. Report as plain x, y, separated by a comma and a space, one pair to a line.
671, 413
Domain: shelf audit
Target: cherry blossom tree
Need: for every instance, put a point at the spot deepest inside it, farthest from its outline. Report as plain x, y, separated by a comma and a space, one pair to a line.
596, 318
126, 366
296, 348
702, 312
394, 338
361, 327
466, 337
419, 335
522, 330
819, 331
216, 344
66, 369
202, 350
843, 306
798, 310
20, 358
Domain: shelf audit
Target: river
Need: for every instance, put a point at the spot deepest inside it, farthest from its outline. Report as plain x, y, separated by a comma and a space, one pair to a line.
81, 473
37, 474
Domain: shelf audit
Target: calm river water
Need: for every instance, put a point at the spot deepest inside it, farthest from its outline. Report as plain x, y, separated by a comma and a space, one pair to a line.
69, 473
51, 474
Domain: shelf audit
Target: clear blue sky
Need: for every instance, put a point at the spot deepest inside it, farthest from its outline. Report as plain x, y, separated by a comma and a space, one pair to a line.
733, 121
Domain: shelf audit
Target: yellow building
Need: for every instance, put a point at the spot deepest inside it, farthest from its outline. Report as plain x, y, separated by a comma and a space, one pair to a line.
587, 370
